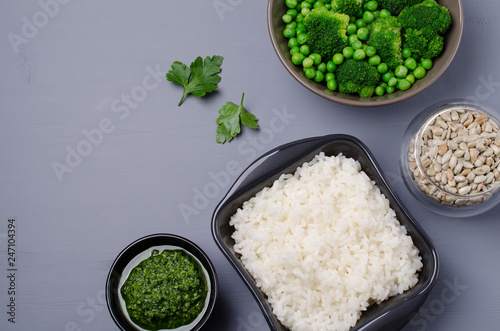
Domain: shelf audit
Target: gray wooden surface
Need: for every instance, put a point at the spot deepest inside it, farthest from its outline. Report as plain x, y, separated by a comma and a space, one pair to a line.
95, 152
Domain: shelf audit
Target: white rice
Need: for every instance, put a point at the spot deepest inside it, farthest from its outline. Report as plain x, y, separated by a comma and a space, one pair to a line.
323, 244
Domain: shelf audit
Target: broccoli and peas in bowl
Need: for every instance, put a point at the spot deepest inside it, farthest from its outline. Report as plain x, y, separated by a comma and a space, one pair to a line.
365, 47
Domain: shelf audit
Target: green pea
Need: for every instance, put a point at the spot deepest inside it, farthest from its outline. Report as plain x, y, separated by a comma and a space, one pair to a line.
419, 73
292, 12
388, 75
380, 90
351, 29
308, 62
403, 84
319, 77
426, 63
338, 58
305, 11
390, 89
401, 71
376, 13
305, 4
362, 33
359, 54
332, 85
310, 73
298, 58
322, 67
302, 38
291, 3
291, 25
348, 52
382, 68
374, 60
300, 29
287, 18
384, 13
406, 52
370, 51
393, 81
352, 38
316, 58
411, 63
371, 5
304, 49
357, 45
299, 18
331, 66
318, 4
289, 33
368, 17
329, 76
360, 23
294, 50
293, 42
410, 78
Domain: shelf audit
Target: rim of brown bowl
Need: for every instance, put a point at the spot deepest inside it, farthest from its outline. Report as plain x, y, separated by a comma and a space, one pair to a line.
280, 44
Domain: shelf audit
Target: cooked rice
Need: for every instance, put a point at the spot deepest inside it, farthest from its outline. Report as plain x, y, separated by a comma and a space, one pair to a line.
323, 244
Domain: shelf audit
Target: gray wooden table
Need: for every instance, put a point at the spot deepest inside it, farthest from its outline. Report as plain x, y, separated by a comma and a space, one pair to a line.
96, 153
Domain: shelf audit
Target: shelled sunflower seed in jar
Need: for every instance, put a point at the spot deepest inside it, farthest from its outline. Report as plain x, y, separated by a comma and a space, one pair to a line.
455, 156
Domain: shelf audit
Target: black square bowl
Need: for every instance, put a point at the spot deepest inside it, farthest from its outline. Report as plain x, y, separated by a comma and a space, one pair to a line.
391, 314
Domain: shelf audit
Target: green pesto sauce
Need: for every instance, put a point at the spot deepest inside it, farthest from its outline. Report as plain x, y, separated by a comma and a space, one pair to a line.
165, 291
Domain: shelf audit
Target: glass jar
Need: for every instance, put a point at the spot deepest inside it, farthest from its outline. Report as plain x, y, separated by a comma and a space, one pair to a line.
451, 158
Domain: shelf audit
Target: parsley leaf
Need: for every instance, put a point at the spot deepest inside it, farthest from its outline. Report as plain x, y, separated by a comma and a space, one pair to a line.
199, 79
229, 119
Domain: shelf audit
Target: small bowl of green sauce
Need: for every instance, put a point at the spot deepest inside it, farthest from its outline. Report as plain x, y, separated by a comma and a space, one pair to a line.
161, 282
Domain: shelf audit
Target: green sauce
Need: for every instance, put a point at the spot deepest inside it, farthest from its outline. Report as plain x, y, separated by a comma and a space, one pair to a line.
165, 291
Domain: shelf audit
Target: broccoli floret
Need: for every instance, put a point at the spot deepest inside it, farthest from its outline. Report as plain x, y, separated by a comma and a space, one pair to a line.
424, 25
422, 44
357, 77
434, 47
396, 6
348, 7
416, 41
385, 36
426, 15
326, 32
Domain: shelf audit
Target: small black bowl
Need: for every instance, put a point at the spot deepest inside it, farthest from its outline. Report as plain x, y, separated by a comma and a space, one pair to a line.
391, 314
140, 246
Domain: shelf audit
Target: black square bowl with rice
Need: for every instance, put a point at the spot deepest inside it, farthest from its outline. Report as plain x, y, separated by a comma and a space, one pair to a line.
321, 240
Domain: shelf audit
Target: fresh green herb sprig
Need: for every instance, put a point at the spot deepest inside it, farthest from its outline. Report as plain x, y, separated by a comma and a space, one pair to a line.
200, 78
230, 117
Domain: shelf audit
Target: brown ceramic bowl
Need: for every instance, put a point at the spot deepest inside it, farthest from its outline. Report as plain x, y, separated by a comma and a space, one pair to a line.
276, 8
